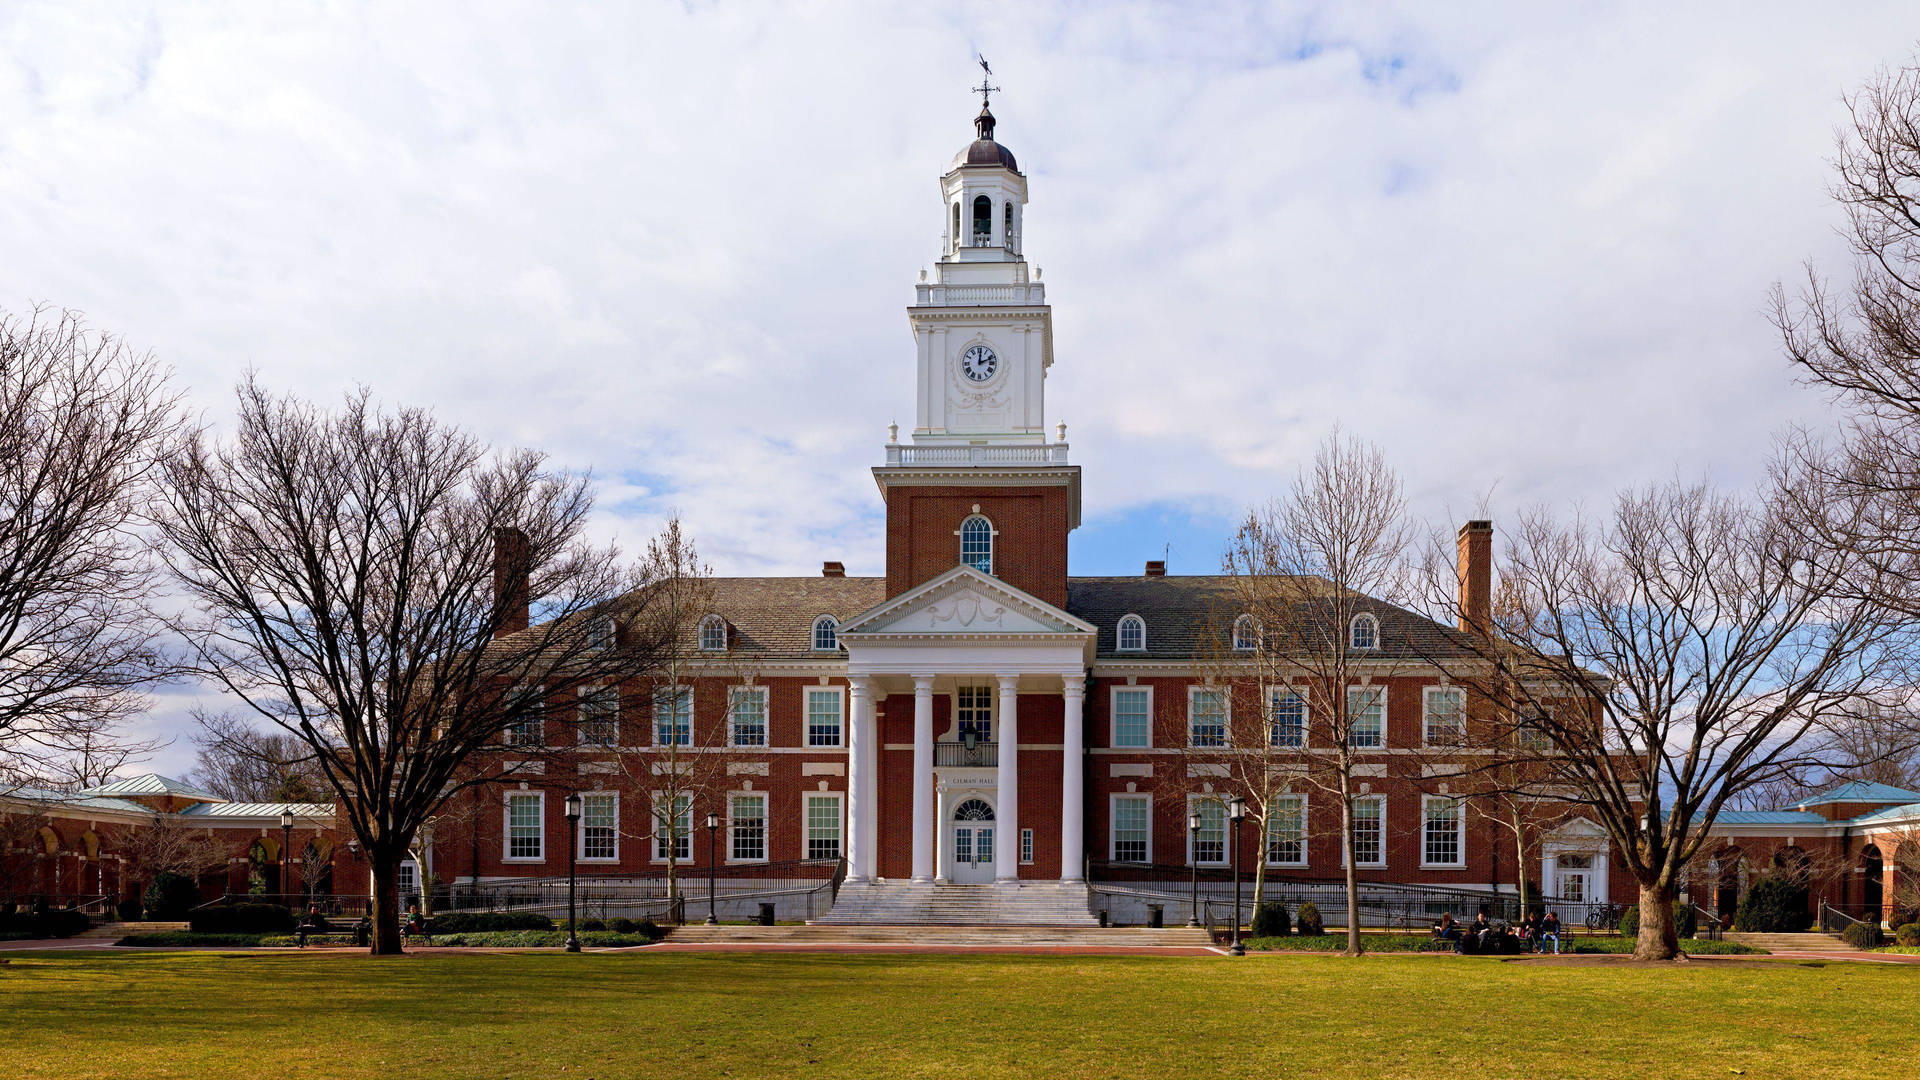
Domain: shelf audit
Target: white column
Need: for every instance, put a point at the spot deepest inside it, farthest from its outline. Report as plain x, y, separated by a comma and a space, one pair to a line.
1006, 855
860, 768
1072, 795
923, 824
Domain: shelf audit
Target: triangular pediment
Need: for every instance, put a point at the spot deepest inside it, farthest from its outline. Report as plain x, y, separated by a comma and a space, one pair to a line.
964, 602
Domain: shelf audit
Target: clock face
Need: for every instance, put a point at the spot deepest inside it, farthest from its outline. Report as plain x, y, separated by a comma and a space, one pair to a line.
978, 363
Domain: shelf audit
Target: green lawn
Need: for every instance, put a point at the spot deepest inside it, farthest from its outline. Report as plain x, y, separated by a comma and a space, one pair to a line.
695, 1015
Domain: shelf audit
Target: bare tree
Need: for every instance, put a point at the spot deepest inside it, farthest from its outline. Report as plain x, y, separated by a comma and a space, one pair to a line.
82, 420
369, 582
238, 761
1314, 574
22, 818
1872, 743
1648, 667
165, 845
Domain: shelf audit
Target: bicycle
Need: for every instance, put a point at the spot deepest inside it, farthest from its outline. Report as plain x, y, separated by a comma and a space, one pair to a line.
1604, 916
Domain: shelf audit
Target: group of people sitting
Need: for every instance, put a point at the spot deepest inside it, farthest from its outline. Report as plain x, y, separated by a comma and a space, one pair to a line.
1485, 937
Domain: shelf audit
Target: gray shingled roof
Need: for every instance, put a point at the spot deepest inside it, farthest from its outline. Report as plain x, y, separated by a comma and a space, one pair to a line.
772, 618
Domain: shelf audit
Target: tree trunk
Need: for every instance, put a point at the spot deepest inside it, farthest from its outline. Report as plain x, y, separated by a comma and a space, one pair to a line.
1520, 862
1352, 874
1259, 866
1658, 941
386, 905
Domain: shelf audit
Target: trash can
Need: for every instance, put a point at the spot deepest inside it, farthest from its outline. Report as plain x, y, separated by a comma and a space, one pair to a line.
1103, 917
1156, 916
766, 914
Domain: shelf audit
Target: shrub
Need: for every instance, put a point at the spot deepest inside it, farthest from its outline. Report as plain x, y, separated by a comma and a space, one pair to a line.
1774, 905
623, 925
1861, 935
1270, 920
593, 924
51, 923
241, 919
538, 939
170, 896
181, 937
128, 910
464, 922
1908, 935
1898, 919
1308, 922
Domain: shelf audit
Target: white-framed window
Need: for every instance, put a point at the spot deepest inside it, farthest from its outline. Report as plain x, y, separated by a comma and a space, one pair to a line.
524, 730
599, 716
1132, 817
673, 834
1445, 714
1531, 736
600, 826
826, 634
1286, 718
1026, 845
600, 635
747, 716
1370, 830
1366, 717
1132, 635
1442, 832
822, 810
1208, 847
713, 634
526, 830
747, 826
1287, 831
826, 715
1206, 717
976, 543
973, 708
1245, 637
1133, 717
673, 716
1363, 634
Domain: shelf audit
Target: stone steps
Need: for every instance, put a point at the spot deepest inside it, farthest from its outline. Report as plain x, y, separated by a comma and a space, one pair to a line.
921, 904
1792, 942
943, 936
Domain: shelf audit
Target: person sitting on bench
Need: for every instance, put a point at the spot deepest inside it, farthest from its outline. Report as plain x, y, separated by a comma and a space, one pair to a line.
1446, 929
314, 923
1550, 931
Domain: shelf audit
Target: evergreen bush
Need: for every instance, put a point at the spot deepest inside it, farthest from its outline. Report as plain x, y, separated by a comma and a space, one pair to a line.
242, 919
1774, 905
1308, 922
1270, 920
169, 896
470, 922
1861, 935
1908, 935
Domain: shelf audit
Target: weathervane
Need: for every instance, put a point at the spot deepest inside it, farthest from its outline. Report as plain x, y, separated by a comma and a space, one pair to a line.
985, 86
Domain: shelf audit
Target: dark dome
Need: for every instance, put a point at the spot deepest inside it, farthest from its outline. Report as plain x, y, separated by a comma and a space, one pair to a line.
983, 150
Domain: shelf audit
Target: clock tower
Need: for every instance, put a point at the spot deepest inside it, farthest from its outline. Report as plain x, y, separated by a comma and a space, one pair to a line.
979, 457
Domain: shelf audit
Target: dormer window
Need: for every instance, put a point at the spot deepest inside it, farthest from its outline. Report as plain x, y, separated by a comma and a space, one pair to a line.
1132, 636
826, 634
713, 634
1245, 638
1363, 635
976, 543
600, 635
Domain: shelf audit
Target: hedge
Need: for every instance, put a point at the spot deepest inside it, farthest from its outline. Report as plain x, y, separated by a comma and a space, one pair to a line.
1861, 935
53, 923
169, 897
241, 919
460, 922
175, 938
1774, 905
1270, 920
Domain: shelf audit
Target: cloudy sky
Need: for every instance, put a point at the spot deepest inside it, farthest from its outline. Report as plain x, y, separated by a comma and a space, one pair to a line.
1524, 247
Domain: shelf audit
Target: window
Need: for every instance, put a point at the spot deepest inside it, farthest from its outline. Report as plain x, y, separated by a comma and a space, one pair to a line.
1366, 717
747, 828
826, 634
600, 825
1370, 830
1287, 722
1364, 633
976, 544
1133, 717
1133, 634
1026, 845
526, 828
1245, 639
823, 716
956, 225
673, 834
600, 635
1287, 831
599, 717
747, 716
1007, 225
1446, 723
673, 716
1209, 845
1206, 717
1131, 815
713, 634
982, 221
1532, 736
975, 712
1440, 834
524, 730
823, 826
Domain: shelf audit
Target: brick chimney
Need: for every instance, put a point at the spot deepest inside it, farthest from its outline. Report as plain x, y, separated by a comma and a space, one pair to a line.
1476, 577
833, 569
1156, 568
512, 580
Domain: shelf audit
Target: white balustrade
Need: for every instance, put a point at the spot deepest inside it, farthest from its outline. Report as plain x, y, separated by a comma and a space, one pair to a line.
1045, 454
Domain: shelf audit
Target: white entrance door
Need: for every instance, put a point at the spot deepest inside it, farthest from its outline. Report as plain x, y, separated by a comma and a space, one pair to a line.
970, 842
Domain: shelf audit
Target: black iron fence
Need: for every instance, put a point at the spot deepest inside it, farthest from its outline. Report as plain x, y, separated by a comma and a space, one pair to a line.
960, 754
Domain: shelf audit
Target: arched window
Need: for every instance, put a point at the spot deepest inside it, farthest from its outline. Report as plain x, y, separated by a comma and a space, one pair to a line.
1133, 634
956, 225
982, 221
826, 637
713, 634
1244, 637
973, 810
1007, 234
1364, 633
976, 543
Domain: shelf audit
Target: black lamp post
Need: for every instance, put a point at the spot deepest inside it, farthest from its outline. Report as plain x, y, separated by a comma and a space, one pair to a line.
713, 837
573, 823
1193, 868
1236, 813
286, 853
